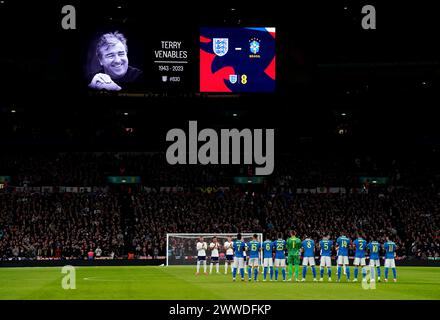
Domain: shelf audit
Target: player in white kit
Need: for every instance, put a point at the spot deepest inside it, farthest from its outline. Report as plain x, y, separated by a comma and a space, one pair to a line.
229, 255
214, 246
202, 246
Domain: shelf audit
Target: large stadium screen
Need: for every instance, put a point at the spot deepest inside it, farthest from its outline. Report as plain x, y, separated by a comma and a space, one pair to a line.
132, 59
237, 59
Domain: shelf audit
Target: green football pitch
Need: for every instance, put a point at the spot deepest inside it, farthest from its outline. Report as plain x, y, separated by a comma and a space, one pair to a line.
180, 282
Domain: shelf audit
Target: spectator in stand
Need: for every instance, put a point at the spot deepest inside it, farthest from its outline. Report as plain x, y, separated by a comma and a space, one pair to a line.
98, 252
90, 254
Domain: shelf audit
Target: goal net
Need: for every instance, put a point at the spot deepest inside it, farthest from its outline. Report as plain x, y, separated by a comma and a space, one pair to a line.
181, 247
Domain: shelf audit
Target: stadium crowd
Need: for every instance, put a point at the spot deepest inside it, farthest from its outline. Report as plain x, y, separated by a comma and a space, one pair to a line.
71, 225
63, 169
59, 225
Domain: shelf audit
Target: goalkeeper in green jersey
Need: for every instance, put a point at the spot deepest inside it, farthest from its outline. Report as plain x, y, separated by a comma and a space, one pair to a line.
293, 248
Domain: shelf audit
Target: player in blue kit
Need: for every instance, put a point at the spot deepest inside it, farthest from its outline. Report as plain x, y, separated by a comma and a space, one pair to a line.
326, 248
254, 247
390, 253
268, 258
308, 246
373, 248
342, 245
239, 246
280, 256
359, 258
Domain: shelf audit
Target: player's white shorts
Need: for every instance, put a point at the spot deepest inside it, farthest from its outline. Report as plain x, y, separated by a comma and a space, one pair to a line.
238, 262
390, 263
267, 262
343, 260
359, 261
253, 262
374, 263
280, 263
325, 261
309, 260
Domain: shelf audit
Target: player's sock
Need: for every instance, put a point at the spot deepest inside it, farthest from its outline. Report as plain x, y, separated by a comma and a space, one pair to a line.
364, 273
284, 273
372, 273
394, 273
276, 274
329, 272
204, 266
347, 271
321, 270
386, 273
304, 272
290, 271
314, 272
339, 272
226, 267
217, 267
271, 273
234, 273
198, 266
378, 272
242, 273
256, 274
210, 267
250, 273
356, 272
296, 272
265, 273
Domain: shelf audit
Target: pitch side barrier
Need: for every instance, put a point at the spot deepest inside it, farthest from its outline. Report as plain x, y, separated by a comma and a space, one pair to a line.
157, 262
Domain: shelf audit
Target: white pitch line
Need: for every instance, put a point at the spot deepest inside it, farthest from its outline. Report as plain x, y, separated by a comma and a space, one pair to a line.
109, 280
34, 279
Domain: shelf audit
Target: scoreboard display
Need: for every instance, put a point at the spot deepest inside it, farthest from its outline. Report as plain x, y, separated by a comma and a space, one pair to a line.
132, 59
237, 59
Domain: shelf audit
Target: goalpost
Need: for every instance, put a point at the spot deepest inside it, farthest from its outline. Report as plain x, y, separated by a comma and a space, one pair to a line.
181, 247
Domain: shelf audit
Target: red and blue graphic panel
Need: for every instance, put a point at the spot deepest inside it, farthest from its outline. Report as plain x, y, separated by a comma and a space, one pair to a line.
237, 59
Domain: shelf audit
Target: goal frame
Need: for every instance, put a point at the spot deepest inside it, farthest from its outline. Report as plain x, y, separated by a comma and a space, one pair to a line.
196, 235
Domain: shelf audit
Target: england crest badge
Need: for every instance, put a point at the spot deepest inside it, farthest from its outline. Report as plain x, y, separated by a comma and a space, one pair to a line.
220, 46
233, 78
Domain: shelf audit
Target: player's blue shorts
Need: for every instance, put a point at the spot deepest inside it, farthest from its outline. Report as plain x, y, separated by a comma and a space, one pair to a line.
230, 257
201, 258
214, 258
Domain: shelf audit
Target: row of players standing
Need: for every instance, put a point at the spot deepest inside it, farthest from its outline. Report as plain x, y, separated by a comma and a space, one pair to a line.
274, 255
